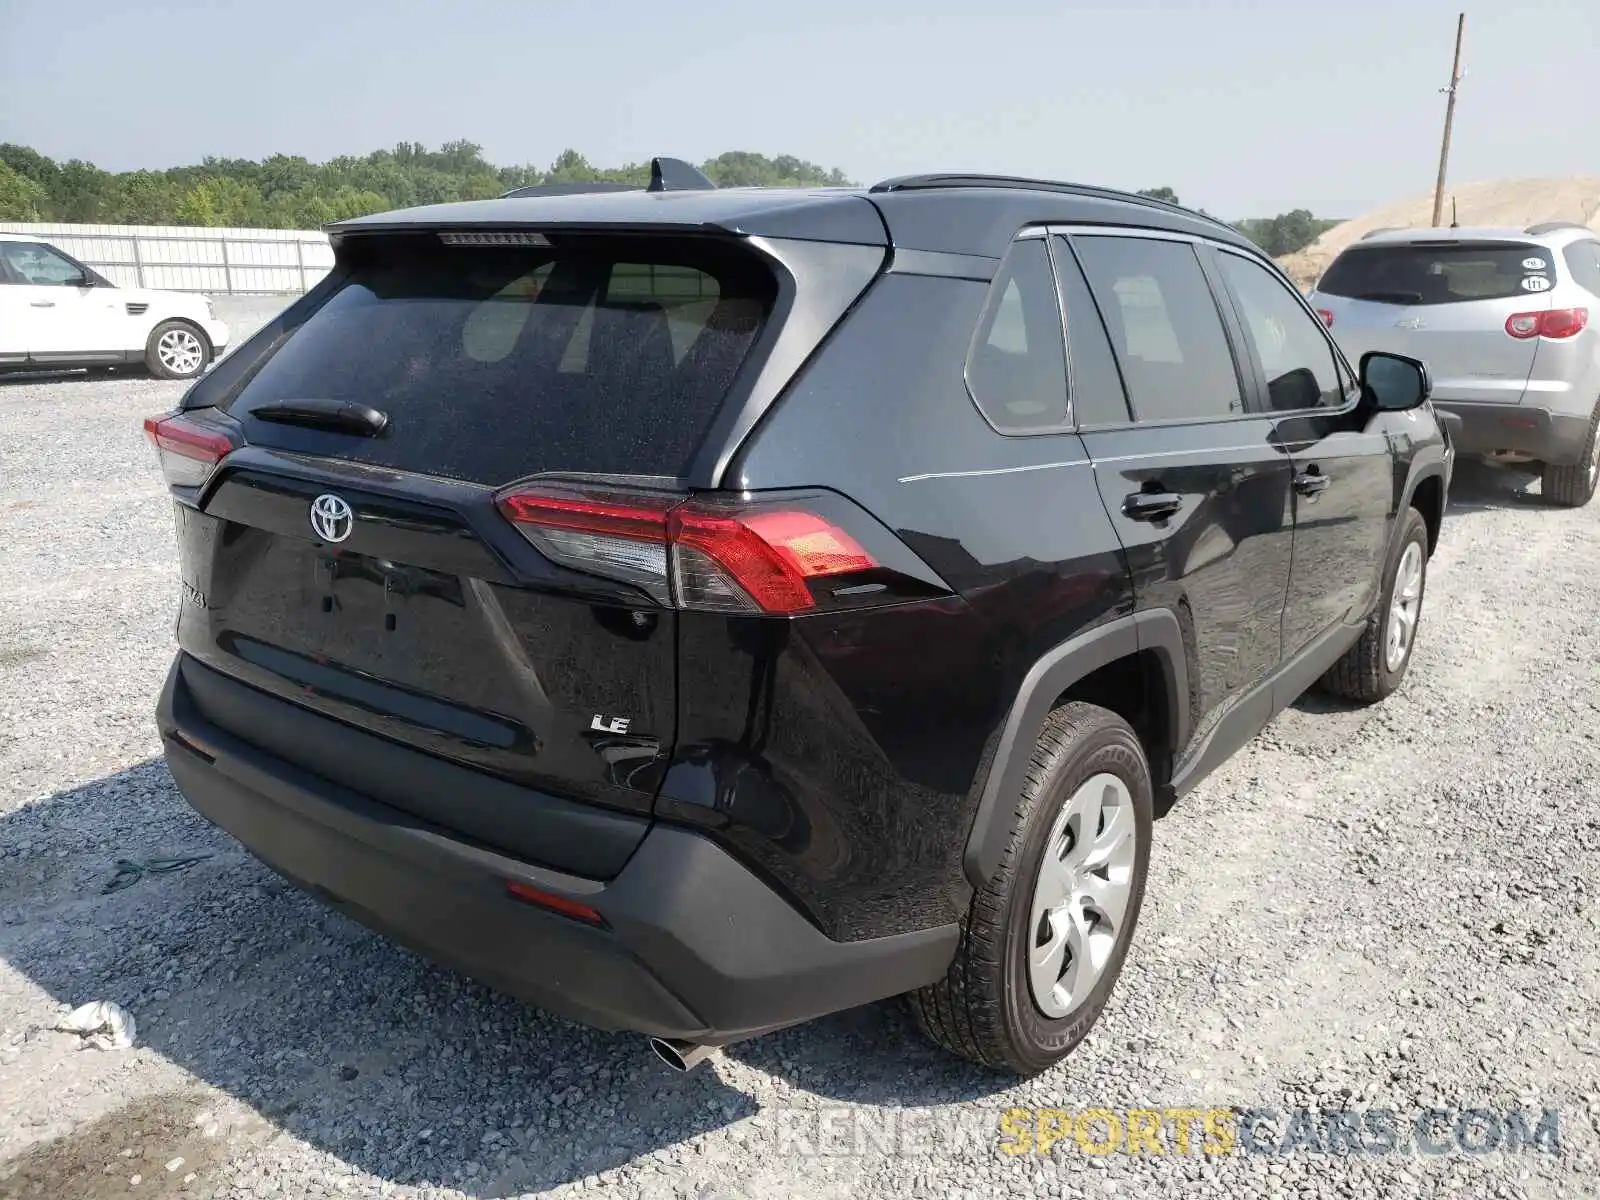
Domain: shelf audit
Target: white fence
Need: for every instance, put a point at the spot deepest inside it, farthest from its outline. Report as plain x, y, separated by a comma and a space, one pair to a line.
185, 258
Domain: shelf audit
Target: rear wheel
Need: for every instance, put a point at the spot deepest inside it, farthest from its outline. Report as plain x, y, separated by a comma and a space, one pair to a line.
1376, 664
1044, 941
1574, 486
176, 350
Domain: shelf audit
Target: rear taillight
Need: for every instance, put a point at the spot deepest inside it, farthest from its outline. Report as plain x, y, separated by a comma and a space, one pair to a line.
760, 561
761, 556
620, 537
1327, 316
189, 447
1551, 323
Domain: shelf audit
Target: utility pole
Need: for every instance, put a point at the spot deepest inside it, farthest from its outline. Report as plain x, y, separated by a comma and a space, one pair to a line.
1449, 118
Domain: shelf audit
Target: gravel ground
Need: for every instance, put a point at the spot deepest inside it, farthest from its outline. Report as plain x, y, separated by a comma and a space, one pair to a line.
1390, 908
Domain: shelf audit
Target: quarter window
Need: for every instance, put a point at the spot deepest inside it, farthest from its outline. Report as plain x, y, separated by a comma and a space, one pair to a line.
1016, 366
1295, 358
1164, 326
1583, 263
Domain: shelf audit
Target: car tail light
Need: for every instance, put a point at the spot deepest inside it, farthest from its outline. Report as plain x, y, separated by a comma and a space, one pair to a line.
620, 537
189, 447
759, 556
1551, 323
1327, 316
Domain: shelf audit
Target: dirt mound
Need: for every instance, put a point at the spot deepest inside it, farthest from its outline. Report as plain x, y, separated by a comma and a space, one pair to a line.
1492, 202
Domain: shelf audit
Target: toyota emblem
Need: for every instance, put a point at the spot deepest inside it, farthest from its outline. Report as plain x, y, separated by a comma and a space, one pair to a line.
331, 518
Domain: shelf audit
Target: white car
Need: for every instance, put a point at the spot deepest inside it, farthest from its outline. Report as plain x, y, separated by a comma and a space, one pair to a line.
56, 312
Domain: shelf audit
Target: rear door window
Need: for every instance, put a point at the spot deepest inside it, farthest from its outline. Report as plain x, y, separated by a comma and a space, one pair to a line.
1440, 273
493, 363
1165, 327
1097, 395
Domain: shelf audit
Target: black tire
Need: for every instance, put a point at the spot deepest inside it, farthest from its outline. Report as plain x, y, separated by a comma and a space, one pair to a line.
1363, 674
162, 369
984, 1009
1574, 486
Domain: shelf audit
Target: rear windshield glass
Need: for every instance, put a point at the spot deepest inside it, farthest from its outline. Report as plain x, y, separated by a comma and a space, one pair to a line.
1439, 274
493, 363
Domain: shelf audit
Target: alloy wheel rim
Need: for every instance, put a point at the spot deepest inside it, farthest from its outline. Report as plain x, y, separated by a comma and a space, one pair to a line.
1405, 606
179, 351
1082, 894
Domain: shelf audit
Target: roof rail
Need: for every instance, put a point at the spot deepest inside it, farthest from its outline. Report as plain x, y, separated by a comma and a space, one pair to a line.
911, 183
666, 175
1545, 227
569, 189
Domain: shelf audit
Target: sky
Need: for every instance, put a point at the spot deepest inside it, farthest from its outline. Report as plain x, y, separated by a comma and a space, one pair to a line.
1244, 109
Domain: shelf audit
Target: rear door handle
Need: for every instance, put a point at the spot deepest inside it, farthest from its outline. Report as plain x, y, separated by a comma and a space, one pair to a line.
1151, 506
1311, 483
41, 304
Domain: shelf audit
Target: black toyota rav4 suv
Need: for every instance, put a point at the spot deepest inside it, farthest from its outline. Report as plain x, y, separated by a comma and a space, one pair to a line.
696, 611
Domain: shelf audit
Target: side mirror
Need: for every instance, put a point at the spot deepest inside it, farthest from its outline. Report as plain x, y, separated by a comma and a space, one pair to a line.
1393, 382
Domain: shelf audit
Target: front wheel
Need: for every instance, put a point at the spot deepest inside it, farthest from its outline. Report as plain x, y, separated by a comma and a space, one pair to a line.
176, 350
1044, 941
1574, 486
1372, 668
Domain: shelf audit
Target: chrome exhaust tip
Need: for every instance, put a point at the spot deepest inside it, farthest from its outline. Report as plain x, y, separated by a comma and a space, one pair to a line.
681, 1056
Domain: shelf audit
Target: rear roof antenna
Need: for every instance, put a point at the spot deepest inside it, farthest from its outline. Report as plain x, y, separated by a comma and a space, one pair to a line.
675, 175
1454, 222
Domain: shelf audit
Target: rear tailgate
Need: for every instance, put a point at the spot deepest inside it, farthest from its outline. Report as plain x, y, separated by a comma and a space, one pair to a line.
367, 573
1445, 301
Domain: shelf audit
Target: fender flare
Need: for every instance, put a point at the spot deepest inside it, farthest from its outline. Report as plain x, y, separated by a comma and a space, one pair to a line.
1155, 630
1431, 470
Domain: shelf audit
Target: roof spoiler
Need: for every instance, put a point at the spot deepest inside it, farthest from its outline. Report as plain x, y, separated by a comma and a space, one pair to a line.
1545, 227
1372, 233
666, 175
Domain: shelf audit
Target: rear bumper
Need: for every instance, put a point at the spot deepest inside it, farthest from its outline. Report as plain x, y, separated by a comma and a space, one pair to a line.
1538, 433
694, 946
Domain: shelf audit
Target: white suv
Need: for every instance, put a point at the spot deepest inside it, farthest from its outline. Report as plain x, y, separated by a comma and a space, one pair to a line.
56, 312
1508, 321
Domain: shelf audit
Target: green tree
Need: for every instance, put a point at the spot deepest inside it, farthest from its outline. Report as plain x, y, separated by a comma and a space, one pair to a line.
288, 191
146, 199
29, 164
570, 167
84, 194
285, 173
1286, 232
21, 199
238, 203
350, 202
198, 206
745, 168
1161, 193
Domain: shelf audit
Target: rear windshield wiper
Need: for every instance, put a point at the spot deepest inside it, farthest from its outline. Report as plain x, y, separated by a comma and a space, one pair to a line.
336, 416
1391, 297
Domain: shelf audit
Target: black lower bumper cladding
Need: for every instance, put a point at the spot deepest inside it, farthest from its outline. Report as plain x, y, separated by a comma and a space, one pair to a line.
693, 945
